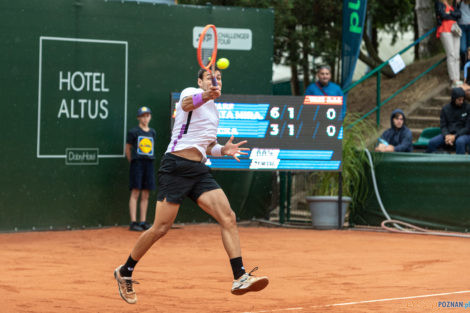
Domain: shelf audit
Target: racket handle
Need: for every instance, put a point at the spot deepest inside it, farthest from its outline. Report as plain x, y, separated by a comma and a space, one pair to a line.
214, 81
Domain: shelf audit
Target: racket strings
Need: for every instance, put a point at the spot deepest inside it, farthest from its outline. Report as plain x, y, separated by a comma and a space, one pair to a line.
206, 55
207, 47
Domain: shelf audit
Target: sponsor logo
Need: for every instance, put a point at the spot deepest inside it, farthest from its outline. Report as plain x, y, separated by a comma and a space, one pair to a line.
145, 145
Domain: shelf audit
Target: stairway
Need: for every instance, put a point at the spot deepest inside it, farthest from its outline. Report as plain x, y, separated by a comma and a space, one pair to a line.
426, 113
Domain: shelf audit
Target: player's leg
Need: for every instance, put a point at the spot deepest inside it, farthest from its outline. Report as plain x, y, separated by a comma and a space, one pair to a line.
165, 214
216, 204
134, 197
144, 202
171, 192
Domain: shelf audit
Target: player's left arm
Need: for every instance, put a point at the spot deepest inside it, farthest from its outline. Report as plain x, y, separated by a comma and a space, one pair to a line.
230, 148
192, 102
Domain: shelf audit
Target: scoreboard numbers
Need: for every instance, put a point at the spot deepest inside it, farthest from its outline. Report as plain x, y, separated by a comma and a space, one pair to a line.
274, 129
283, 133
291, 112
275, 112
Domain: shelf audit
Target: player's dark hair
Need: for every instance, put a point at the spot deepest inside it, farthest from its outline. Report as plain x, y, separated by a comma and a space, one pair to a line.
203, 70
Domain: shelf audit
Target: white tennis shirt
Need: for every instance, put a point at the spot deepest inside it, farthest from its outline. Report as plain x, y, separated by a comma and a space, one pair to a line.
196, 128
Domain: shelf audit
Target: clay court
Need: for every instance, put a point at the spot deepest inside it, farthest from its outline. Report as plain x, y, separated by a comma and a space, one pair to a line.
188, 271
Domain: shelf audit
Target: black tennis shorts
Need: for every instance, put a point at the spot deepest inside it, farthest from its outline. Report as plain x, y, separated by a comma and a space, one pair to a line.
179, 177
142, 174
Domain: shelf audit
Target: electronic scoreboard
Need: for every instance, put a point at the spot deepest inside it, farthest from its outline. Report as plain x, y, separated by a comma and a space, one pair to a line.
285, 133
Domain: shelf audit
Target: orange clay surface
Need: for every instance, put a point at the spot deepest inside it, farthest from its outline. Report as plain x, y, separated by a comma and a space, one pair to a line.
188, 271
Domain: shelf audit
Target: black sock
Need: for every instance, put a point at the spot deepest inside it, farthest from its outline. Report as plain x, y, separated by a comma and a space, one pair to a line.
128, 268
237, 267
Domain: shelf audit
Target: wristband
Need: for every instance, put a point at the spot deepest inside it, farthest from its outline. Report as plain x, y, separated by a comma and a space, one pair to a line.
197, 100
217, 150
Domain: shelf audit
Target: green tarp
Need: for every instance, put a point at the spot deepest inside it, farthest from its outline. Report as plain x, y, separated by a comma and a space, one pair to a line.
428, 190
137, 53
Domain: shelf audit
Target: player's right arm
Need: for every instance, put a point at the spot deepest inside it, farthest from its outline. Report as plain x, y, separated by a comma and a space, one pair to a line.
188, 101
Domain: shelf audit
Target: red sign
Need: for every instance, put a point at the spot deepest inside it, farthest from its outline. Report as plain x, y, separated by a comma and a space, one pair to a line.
323, 100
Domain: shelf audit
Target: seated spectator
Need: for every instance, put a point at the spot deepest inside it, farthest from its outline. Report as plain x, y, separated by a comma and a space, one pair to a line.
398, 137
455, 124
324, 87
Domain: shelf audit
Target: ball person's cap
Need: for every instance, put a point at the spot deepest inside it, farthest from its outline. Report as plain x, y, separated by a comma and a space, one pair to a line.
143, 110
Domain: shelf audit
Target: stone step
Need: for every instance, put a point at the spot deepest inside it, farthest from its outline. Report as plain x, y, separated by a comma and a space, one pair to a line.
427, 111
439, 101
422, 121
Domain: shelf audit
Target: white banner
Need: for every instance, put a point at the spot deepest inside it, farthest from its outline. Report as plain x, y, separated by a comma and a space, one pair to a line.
228, 38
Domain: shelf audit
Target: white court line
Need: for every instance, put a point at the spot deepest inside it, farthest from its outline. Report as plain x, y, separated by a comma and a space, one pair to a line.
361, 302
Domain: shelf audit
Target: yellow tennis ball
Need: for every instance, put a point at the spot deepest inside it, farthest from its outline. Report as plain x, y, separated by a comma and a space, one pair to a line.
223, 63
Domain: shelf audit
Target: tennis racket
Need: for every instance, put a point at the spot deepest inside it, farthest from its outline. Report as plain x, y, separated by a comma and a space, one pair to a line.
207, 50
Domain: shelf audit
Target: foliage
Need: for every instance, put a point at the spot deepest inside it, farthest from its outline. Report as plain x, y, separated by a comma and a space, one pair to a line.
393, 16
308, 32
354, 164
304, 31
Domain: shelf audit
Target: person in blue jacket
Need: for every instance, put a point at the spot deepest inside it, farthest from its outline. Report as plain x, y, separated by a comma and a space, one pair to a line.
397, 138
324, 87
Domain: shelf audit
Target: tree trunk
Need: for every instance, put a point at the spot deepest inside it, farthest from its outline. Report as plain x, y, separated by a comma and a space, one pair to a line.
294, 81
386, 70
373, 60
305, 64
338, 62
293, 58
371, 49
426, 21
375, 39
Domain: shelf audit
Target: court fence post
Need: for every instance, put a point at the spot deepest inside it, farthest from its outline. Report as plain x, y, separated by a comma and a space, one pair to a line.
282, 196
340, 200
288, 195
379, 78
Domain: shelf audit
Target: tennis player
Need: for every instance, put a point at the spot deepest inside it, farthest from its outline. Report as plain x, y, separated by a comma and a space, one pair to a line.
183, 173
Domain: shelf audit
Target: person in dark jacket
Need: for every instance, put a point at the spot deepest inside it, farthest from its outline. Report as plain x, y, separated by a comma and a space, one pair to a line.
455, 124
397, 138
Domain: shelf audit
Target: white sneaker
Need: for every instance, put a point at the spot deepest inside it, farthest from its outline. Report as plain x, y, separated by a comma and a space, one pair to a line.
248, 282
126, 289
457, 84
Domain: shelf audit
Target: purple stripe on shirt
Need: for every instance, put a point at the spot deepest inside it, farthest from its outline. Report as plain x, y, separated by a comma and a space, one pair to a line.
179, 137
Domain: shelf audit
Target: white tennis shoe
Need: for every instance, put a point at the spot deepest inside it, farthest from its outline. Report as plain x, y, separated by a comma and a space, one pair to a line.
248, 282
125, 286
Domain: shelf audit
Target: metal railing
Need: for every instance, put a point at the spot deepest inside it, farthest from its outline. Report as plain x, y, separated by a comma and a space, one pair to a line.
378, 71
